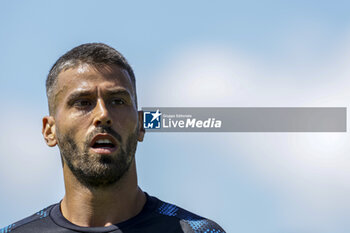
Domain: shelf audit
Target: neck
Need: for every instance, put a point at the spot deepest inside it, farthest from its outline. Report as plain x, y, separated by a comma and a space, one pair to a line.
105, 206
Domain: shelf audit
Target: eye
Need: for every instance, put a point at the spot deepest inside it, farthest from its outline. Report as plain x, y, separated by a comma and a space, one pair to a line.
118, 101
82, 103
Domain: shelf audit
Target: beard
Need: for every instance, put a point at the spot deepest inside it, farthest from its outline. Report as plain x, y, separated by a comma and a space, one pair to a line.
97, 170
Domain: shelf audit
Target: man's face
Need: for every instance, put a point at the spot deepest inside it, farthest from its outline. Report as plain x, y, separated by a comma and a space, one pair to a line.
97, 124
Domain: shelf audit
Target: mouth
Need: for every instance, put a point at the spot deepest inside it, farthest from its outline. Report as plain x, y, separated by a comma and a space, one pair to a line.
103, 144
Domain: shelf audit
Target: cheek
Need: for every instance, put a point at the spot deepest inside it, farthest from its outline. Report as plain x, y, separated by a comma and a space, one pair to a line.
126, 120
73, 126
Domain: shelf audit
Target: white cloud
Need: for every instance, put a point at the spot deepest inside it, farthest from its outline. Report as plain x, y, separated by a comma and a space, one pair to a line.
202, 76
30, 171
309, 171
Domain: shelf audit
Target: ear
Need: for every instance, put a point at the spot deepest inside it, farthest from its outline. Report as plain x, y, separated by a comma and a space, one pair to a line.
49, 131
141, 131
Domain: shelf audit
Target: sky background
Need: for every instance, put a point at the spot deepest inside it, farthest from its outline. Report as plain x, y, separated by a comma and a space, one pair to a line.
193, 54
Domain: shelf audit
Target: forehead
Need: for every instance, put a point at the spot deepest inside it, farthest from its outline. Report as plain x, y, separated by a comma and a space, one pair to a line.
86, 76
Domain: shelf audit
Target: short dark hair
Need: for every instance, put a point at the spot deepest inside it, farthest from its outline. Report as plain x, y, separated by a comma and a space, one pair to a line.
96, 54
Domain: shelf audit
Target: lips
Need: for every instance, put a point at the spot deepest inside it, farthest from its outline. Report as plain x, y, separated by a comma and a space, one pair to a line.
103, 144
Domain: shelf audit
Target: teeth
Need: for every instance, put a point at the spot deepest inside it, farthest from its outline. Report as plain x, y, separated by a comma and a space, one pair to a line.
103, 141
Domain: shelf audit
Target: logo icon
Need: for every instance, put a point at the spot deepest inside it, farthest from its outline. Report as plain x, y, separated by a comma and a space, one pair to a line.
151, 120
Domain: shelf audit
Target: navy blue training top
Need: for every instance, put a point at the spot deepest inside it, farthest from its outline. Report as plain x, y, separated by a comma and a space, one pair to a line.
156, 216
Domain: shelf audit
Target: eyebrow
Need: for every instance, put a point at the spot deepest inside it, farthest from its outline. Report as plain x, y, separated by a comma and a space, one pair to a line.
86, 93
78, 94
121, 92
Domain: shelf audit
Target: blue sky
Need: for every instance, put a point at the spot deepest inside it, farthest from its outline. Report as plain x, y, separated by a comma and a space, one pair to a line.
199, 54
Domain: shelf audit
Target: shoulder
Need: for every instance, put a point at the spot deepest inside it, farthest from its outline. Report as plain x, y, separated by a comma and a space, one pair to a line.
189, 221
25, 224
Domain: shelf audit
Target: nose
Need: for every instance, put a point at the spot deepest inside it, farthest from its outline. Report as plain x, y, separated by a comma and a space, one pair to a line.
102, 116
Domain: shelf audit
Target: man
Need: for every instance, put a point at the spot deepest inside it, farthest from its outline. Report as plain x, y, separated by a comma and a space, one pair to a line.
95, 123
